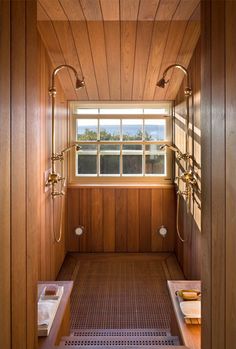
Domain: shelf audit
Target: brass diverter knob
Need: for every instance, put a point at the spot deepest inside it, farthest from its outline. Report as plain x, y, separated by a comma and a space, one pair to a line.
53, 178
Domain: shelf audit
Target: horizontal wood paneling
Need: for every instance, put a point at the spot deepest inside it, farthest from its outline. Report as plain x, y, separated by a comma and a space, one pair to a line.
121, 219
189, 253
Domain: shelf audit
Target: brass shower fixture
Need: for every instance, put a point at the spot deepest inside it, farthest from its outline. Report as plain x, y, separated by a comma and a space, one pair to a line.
53, 177
188, 177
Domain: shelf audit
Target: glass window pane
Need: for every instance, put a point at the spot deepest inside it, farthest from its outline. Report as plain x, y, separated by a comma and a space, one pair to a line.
132, 164
88, 148
87, 164
109, 148
110, 164
154, 130
132, 129
109, 130
132, 147
154, 149
87, 129
155, 164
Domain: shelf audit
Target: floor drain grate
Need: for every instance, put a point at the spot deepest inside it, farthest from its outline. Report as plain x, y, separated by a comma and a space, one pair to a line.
123, 333
119, 342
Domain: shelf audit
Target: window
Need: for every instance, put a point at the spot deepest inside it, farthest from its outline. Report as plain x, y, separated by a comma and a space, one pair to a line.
120, 143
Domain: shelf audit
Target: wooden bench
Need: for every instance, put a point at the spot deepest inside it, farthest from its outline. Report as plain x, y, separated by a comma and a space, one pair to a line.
190, 335
61, 323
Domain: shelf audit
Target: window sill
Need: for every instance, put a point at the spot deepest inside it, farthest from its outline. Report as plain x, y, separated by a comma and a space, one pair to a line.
120, 185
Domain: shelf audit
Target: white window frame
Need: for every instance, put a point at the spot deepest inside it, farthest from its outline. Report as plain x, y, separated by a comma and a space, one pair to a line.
151, 179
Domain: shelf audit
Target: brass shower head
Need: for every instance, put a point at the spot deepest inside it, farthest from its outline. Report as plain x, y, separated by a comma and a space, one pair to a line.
162, 82
79, 83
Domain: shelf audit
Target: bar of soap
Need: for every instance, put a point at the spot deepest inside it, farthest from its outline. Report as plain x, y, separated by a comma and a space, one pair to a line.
189, 295
51, 290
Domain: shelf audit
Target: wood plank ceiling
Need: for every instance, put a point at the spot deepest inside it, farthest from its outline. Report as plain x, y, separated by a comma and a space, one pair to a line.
121, 47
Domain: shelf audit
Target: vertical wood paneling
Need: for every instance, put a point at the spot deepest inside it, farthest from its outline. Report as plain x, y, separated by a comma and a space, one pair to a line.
32, 173
169, 208
5, 139
218, 170
18, 177
189, 253
112, 38
144, 36
109, 216
206, 176
121, 220
145, 220
133, 220
97, 41
96, 220
84, 218
230, 146
51, 253
128, 37
110, 10
81, 38
157, 219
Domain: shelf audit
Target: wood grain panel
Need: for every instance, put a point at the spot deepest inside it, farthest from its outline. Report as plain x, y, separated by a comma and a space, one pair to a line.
166, 10
230, 336
112, 38
50, 40
133, 220
32, 174
81, 38
160, 33
84, 218
67, 44
189, 253
188, 45
218, 169
97, 40
18, 182
143, 41
185, 9
72, 10
173, 44
110, 10
91, 10
109, 220
148, 9
51, 253
128, 37
157, 219
96, 220
126, 221
107, 51
54, 9
5, 139
121, 220
144, 220
129, 10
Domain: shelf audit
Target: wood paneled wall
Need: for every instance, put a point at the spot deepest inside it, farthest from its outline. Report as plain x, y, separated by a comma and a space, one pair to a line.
51, 254
121, 220
189, 253
20, 184
218, 109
